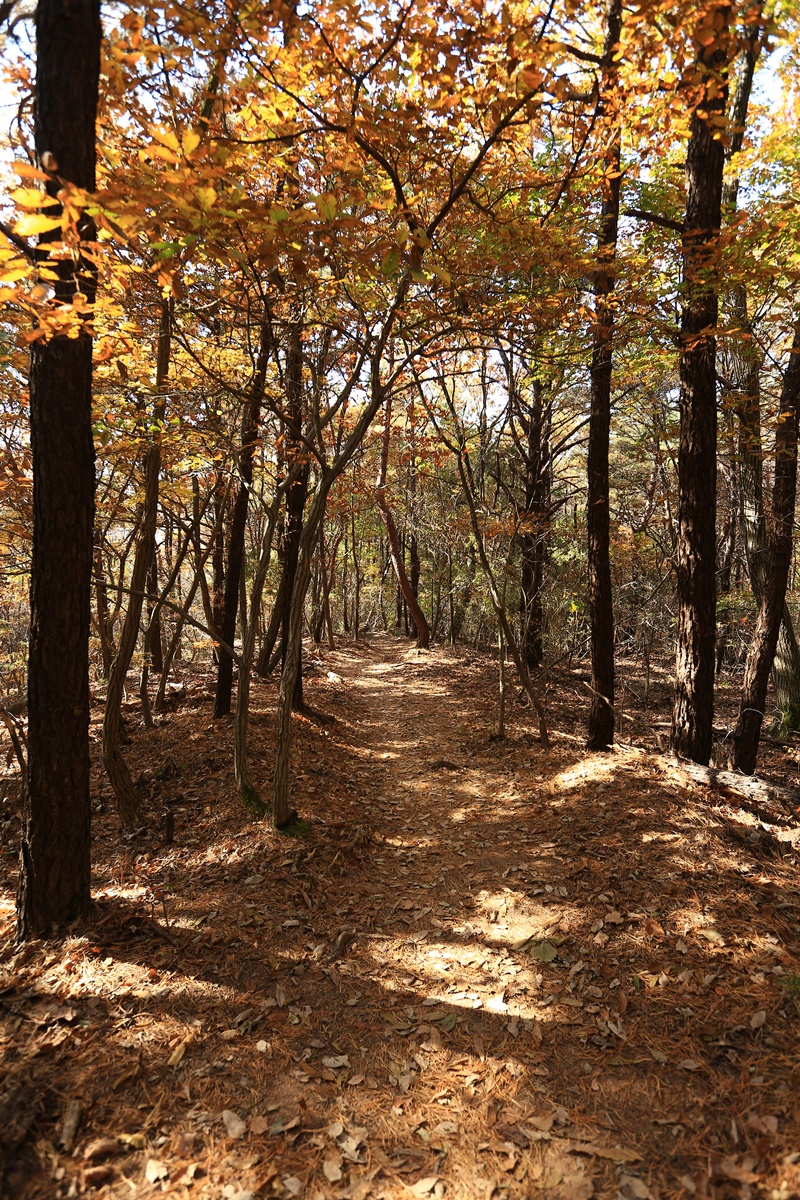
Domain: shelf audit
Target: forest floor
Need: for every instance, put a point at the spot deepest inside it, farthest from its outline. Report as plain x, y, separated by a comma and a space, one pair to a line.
489, 970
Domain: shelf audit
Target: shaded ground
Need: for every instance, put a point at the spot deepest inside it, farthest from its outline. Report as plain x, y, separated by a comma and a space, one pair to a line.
490, 970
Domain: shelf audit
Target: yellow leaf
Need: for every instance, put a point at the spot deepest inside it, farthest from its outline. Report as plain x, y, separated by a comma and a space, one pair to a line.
12, 274
165, 136
162, 152
177, 1054
190, 141
26, 171
206, 196
36, 223
31, 198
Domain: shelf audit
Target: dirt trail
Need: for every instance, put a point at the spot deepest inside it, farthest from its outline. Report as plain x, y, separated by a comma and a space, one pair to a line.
490, 970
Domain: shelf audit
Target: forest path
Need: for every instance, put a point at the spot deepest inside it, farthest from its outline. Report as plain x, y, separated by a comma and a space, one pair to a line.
489, 972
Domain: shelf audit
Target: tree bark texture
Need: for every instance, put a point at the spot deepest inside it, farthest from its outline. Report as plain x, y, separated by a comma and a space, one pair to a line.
693, 711
55, 849
250, 426
295, 494
779, 540
601, 614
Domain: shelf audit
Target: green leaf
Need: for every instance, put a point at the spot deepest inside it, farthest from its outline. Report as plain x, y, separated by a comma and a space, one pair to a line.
544, 952
390, 261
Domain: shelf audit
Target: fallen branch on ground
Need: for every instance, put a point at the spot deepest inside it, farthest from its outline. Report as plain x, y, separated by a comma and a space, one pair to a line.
752, 794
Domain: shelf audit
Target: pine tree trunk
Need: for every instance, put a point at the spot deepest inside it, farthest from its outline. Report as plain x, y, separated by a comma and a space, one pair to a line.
693, 712
601, 615
765, 636
55, 855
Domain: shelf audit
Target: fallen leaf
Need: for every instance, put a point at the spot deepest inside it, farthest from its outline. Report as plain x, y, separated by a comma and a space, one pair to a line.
688, 1064
259, 1125
631, 1188
612, 1153
758, 1019
293, 1185
423, 1187
766, 1125
101, 1148
728, 1168
233, 1123
544, 952
433, 1041
155, 1170
335, 1061
177, 1054
331, 1170
543, 1124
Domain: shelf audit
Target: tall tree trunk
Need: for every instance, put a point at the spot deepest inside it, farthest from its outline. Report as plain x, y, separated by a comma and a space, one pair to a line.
221, 500
264, 663
395, 551
250, 424
155, 647
693, 712
601, 615
127, 797
295, 494
55, 848
104, 619
779, 541
248, 793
